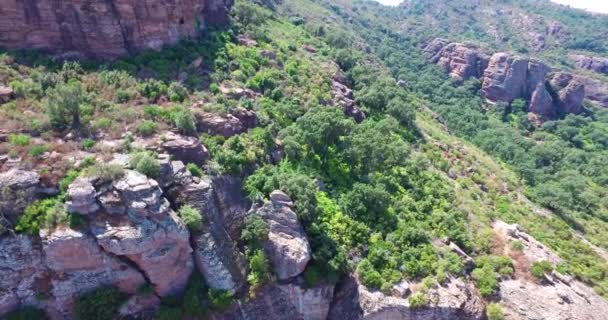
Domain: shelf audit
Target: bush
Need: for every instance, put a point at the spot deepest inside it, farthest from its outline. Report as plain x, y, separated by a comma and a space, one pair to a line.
87, 144
184, 121
69, 177
19, 140
63, 105
153, 89
539, 268
195, 170
38, 150
26, 313
100, 304
494, 312
259, 270
418, 300
145, 162
177, 92
41, 214
214, 88
147, 128
517, 246
254, 233
191, 217
220, 299
105, 172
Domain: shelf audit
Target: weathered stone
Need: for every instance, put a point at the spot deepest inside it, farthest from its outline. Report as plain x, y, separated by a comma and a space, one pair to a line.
541, 102
570, 91
81, 197
454, 301
140, 307
18, 189
505, 79
105, 29
595, 90
287, 246
150, 235
343, 97
6, 94
460, 60
216, 124
185, 149
597, 64
232, 204
215, 255
79, 265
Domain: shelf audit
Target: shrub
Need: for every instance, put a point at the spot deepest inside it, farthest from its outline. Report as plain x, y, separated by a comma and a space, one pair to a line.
539, 268
517, 246
259, 270
100, 304
254, 233
153, 89
38, 150
177, 92
418, 300
87, 144
195, 170
191, 217
214, 88
63, 105
69, 177
147, 128
145, 162
19, 140
105, 172
26, 313
220, 299
494, 312
184, 121
41, 214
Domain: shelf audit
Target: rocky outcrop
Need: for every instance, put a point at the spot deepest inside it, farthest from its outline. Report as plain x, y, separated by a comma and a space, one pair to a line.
215, 255
557, 297
77, 265
595, 90
287, 246
508, 78
456, 300
185, 149
149, 234
105, 29
6, 94
18, 189
81, 195
343, 97
226, 125
460, 60
232, 204
284, 301
569, 91
596, 64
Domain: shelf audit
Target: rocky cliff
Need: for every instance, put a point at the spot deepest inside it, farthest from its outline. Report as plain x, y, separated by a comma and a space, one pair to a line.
105, 29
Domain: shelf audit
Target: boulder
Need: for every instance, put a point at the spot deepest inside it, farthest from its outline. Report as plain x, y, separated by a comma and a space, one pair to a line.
570, 92
287, 246
79, 265
541, 102
18, 189
150, 234
185, 149
461, 61
232, 204
454, 301
81, 197
216, 124
215, 255
6, 94
104, 29
506, 78
596, 64
595, 90
343, 97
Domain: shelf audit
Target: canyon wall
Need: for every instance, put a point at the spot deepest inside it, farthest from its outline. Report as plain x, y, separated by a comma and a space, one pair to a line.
105, 29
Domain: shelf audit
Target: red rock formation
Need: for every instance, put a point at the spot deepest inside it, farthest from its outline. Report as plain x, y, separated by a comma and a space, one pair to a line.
105, 29
460, 60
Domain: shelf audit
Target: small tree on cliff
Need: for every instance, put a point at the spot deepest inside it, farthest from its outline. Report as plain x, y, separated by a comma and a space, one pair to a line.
63, 105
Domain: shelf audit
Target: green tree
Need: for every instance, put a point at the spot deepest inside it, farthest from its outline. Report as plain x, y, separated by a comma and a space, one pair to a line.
63, 105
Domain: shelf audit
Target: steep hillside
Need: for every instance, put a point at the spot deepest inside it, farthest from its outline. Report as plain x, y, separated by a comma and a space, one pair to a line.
313, 159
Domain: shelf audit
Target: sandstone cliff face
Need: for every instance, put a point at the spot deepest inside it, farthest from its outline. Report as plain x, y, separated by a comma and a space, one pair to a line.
597, 64
461, 61
105, 29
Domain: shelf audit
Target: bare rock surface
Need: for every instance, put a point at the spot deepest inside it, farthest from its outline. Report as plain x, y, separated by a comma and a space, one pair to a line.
343, 97
18, 188
460, 60
454, 301
6, 94
149, 234
78, 265
232, 204
226, 125
596, 64
215, 255
81, 195
287, 246
570, 91
105, 29
185, 149
510, 77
